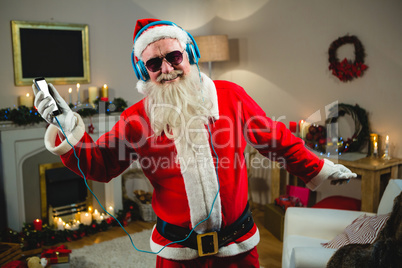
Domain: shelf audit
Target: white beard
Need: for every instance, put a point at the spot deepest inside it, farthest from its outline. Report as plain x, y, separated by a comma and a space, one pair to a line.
174, 107
181, 110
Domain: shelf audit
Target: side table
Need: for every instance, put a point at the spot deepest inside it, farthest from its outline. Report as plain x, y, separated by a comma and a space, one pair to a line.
370, 169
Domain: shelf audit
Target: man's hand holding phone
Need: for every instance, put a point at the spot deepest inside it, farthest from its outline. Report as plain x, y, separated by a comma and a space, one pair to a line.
50, 104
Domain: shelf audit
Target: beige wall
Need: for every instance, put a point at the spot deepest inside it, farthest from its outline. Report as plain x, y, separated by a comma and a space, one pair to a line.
279, 50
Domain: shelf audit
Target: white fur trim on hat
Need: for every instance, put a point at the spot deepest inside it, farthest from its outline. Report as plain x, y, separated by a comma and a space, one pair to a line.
159, 32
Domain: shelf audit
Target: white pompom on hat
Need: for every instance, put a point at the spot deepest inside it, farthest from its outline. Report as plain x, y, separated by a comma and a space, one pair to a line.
156, 32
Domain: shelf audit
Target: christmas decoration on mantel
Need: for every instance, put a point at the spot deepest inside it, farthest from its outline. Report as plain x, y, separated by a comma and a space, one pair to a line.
23, 115
347, 70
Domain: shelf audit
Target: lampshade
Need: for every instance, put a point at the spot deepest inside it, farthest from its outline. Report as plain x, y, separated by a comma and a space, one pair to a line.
213, 47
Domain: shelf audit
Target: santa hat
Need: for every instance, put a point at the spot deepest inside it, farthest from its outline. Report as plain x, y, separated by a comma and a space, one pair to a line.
148, 31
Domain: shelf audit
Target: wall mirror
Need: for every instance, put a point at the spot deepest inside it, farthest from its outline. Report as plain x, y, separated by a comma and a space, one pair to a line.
57, 51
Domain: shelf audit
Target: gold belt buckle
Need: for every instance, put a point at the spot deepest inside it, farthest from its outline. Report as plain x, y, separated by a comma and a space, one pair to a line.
207, 244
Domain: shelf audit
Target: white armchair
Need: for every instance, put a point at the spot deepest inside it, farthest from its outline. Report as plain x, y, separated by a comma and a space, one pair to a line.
307, 228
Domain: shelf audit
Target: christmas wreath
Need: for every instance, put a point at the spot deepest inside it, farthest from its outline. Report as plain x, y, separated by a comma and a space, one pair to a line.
347, 70
361, 134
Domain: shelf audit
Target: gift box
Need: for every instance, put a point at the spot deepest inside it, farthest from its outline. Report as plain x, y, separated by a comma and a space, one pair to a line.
301, 192
274, 219
56, 255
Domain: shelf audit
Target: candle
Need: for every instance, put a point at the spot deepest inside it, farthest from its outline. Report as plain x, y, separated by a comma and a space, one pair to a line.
96, 215
26, 100
105, 92
37, 224
92, 94
78, 93
67, 226
110, 210
387, 141
293, 127
60, 224
70, 90
375, 148
86, 218
373, 140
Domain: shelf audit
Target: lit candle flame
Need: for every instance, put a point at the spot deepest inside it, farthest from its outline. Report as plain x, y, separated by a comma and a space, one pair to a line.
70, 90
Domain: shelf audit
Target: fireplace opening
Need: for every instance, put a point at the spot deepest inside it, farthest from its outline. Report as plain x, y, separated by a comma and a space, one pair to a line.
63, 193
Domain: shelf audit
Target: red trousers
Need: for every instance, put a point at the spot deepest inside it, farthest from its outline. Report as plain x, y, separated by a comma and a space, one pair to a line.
245, 260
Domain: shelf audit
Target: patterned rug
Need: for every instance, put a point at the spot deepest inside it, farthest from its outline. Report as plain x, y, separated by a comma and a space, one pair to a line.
116, 253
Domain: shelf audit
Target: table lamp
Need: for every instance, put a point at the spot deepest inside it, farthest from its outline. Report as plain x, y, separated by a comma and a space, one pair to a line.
213, 48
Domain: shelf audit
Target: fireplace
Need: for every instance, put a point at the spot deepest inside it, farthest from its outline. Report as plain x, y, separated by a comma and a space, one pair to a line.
63, 193
22, 151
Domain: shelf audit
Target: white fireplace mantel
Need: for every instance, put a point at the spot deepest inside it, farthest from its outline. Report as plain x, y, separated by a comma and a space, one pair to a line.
19, 143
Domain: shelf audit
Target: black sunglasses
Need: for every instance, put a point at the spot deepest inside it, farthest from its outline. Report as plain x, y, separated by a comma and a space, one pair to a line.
174, 58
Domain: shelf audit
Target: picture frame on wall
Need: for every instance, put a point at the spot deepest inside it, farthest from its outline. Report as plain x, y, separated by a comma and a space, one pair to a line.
57, 51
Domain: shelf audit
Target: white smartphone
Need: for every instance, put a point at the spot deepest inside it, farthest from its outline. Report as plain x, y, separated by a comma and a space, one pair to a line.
42, 85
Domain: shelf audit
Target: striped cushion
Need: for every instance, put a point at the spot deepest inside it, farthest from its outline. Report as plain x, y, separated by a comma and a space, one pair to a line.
363, 230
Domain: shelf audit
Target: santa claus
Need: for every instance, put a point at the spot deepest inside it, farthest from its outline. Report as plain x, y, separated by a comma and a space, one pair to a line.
188, 134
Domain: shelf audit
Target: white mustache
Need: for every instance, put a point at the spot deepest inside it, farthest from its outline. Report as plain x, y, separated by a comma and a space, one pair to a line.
170, 76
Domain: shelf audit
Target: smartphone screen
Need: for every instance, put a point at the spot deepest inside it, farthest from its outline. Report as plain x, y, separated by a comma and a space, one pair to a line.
42, 85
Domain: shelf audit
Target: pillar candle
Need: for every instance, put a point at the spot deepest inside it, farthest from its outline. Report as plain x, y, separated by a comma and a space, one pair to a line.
96, 215
293, 127
26, 100
78, 94
37, 224
110, 209
70, 97
60, 224
302, 134
105, 92
92, 94
86, 218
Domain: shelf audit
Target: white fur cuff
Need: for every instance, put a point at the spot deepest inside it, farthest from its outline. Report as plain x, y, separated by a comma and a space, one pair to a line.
325, 172
74, 137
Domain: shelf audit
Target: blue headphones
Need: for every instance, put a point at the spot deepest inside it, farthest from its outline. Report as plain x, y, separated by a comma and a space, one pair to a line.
191, 48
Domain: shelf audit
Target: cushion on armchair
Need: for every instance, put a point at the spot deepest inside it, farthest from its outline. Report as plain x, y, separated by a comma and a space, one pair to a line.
363, 230
339, 202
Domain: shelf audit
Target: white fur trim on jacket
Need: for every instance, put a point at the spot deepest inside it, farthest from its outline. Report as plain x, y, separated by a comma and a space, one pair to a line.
159, 32
74, 137
233, 249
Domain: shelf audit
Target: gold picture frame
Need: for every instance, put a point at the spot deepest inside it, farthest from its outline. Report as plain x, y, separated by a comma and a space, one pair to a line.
57, 51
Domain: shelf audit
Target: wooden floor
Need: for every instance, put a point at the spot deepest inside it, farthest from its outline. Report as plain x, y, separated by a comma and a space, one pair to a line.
269, 248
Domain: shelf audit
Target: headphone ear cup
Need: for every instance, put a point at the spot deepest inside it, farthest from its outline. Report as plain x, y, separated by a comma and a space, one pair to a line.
141, 71
192, 57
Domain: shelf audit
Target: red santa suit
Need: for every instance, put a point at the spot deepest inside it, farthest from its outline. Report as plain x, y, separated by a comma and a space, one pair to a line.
183, 190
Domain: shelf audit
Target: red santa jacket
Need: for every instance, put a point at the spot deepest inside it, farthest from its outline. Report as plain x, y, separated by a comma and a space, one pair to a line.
241, 121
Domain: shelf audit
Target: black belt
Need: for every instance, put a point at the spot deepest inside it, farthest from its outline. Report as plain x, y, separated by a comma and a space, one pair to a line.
207, 243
